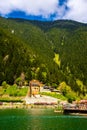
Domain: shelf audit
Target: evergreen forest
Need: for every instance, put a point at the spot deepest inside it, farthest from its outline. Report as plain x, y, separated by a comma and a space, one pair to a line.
53, 52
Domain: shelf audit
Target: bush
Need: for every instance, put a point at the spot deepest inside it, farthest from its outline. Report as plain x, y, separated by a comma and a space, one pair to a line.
4, 84
71, 96
15, 91
12, 90
22, 92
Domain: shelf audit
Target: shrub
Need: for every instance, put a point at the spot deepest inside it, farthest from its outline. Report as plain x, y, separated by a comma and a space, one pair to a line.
4, 84
71, 96
12, 90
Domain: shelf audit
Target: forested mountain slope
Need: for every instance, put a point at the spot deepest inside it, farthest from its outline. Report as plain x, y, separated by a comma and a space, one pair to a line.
52, 52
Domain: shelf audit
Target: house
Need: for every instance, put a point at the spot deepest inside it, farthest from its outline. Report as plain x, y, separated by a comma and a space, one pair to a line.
34, 87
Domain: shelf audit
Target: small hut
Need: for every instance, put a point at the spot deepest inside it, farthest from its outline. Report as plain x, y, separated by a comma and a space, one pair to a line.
34, 88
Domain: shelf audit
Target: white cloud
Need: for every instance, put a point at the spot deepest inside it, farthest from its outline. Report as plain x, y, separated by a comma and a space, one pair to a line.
45, 8
30, 7
77, 10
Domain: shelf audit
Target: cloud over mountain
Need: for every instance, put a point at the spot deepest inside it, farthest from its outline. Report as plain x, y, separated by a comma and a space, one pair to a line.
77, 10
30, 7
69, 9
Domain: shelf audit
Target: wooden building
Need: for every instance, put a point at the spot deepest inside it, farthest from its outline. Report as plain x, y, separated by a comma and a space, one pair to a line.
34, 88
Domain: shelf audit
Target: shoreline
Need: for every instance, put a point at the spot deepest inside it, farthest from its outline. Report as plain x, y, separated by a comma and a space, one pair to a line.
32, 106
19, 105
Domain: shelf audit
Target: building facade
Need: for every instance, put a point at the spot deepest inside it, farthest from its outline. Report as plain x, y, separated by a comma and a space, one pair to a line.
34, 88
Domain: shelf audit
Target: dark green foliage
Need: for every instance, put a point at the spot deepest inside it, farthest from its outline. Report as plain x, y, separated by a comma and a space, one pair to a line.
30, 47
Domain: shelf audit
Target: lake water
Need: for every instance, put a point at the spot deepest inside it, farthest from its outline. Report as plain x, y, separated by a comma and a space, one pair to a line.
39, 119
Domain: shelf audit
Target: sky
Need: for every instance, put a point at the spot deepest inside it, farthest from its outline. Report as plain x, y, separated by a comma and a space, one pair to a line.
45, 10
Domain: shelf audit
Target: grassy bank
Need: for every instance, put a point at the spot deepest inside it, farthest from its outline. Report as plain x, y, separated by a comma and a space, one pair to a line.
55, 95
12, 93
7, 98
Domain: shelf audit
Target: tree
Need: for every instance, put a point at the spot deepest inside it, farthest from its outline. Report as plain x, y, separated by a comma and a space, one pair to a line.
64, 88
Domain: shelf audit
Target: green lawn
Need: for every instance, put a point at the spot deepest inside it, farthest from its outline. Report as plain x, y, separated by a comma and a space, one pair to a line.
55, 95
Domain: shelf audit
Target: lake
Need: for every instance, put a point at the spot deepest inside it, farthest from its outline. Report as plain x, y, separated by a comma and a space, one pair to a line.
39, 119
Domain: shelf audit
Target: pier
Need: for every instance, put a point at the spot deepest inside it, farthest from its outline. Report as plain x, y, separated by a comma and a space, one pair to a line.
80, 111
80, 108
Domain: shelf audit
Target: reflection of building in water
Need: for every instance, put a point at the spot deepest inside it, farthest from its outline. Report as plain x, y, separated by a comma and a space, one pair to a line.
34, 87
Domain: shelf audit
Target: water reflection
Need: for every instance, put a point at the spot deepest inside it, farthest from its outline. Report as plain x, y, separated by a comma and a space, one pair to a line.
39, 119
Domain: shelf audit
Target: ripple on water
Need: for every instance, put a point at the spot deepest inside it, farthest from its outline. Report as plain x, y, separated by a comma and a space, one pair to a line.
40, 120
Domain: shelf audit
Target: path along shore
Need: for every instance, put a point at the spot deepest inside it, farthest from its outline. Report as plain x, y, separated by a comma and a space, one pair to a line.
30, 102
